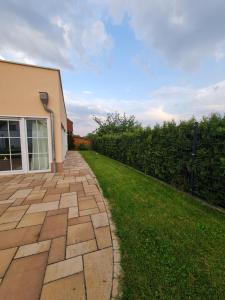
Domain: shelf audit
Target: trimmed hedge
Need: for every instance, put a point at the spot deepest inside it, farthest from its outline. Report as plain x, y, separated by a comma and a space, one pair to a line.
84, 147
165, 152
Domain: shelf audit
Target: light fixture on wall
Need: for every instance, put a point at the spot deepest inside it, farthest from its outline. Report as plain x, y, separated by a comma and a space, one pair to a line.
44, 98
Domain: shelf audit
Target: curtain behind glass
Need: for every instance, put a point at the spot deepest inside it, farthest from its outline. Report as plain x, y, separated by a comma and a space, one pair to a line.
37, 135
43, 144
34, 160
42, 128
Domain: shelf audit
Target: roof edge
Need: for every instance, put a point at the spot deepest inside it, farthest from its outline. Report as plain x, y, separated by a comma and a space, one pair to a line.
28, 65
61, 87
40, 67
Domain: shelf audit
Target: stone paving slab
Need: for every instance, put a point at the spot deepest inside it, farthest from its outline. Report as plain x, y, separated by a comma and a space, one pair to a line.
56, 239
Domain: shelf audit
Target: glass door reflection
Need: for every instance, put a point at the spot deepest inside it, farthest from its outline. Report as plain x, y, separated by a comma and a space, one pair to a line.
10, 146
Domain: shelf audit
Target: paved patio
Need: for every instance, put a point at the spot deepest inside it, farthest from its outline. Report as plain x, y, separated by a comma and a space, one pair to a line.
56, 237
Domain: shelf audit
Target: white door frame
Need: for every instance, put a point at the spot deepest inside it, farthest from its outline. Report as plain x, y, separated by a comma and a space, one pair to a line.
24, 144
22, 150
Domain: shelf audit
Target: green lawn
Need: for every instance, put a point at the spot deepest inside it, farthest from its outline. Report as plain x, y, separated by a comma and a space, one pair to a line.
173, 247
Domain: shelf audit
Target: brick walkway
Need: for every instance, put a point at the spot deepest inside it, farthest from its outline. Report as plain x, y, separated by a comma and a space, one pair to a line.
55, 238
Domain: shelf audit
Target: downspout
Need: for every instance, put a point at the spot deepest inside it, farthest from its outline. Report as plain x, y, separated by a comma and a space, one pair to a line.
44, 101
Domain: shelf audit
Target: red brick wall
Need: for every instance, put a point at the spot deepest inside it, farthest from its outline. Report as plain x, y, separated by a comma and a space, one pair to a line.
79, 140
69, 125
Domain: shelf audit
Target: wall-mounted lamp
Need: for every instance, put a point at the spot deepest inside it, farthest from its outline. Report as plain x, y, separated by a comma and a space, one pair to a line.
44, 98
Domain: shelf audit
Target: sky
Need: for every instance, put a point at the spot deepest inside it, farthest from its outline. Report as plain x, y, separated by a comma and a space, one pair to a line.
156, 59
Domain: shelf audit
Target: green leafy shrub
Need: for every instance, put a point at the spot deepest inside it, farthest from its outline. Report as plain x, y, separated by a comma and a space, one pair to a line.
165, 152
84, 147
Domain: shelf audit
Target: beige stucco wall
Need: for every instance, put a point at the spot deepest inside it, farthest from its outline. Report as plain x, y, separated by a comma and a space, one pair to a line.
62, 108
19, 95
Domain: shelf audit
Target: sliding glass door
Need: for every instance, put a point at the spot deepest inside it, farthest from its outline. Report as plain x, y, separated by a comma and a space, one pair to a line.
10, 145
37, 141
24, 145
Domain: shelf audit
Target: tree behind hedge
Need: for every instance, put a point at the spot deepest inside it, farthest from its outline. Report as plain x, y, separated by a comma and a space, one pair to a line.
116, 123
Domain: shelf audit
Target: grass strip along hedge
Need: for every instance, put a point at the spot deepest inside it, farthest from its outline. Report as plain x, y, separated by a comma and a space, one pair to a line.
190, 157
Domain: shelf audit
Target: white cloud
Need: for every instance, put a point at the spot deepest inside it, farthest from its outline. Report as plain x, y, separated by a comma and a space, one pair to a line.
69, 32
66, 30
82, 108
63, 33
95, 39
157, 115
165, 104
219, 54
87, 92
184, 31
185, 102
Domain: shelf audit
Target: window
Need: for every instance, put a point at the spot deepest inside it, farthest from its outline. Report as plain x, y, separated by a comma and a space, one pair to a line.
10, 146
37, 141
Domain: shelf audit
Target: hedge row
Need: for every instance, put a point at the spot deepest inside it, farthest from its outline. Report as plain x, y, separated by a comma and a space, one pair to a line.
166, 152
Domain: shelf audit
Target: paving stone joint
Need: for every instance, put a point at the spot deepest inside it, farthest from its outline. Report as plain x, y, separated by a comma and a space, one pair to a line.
56, 232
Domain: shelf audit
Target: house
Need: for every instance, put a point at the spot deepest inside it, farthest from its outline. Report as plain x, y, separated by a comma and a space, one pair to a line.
33, 119
69, 126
